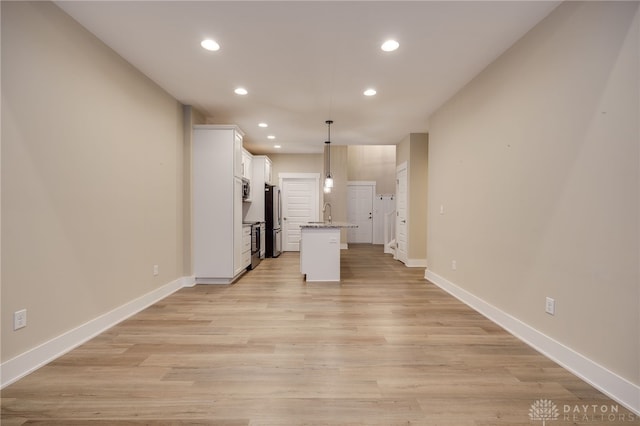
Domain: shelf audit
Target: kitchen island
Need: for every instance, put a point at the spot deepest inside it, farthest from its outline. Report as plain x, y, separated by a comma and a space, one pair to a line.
320, 250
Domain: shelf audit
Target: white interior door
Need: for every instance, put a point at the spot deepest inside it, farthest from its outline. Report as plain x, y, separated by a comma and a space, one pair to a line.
383, 206
401, 212
360, 212
299, 206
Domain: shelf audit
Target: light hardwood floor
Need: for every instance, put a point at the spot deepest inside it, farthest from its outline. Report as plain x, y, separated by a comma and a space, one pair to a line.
383, 347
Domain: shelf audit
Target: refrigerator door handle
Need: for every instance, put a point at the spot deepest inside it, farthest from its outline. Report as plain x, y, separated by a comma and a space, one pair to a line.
279, 207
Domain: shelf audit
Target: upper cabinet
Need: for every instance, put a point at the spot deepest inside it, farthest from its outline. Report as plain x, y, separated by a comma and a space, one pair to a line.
237, 153
247, 167
268, 171
261, 175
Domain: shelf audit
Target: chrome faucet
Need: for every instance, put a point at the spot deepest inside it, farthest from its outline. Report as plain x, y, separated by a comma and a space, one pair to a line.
324, 209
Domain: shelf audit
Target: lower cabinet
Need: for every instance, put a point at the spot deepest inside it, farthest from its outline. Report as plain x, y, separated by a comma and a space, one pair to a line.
246, 246
320, 253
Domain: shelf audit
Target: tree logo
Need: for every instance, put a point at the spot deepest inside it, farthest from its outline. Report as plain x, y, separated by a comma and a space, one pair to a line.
543, 409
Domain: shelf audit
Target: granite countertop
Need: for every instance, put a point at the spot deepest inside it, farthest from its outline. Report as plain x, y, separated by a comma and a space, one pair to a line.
319, 225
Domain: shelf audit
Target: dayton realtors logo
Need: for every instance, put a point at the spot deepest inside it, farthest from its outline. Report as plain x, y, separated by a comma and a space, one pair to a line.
543, 409
596, 413
546, 410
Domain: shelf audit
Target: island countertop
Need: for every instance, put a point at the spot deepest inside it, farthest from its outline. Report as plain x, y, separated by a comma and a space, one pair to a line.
319, 225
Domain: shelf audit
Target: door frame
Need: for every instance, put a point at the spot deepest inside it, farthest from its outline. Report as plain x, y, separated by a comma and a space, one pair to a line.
372, 185
404, 166
315, 208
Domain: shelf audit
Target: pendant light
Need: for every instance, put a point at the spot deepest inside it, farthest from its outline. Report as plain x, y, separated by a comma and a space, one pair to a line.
328, 180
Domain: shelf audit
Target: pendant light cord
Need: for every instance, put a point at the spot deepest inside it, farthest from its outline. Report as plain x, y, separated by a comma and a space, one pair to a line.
329, 122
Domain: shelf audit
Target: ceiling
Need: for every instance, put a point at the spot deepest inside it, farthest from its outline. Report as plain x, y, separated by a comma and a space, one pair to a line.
304, 62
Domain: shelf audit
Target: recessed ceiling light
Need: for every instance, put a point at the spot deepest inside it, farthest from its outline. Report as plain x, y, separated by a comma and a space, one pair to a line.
263, 125
390, 45
277, 146
241, 91
271, 137
370, 92
210, 45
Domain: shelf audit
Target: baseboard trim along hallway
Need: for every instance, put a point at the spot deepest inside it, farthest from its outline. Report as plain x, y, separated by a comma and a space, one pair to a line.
29, 361
609, 383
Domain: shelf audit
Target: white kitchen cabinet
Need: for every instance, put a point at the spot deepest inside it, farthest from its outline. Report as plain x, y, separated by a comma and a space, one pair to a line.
268, 171
246, 246
247, 167
320, 250
237, 153
217, 204
320, 253
261, 168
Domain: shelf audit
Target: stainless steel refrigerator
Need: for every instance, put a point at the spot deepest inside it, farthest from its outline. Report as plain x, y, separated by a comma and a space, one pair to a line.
273, 219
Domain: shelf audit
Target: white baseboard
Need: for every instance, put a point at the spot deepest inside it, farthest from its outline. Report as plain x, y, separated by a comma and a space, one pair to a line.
416, 263
27, 362
344, 246
614, 386
187, 281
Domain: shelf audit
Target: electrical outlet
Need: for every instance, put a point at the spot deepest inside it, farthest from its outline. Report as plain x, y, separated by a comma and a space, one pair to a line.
550, 306
441, 209
454, 265
156, 270
19, 319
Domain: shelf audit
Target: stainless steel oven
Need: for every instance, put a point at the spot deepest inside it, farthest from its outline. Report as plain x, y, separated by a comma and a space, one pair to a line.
256, 244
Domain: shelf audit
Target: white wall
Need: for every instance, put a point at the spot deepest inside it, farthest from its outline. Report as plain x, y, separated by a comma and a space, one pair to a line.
536, 163
92, 178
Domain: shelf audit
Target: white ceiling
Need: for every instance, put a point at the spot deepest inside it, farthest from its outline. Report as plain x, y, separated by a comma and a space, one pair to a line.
304, 62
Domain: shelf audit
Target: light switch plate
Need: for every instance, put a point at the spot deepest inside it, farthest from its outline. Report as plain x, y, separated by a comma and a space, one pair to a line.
550, 306
19, 319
